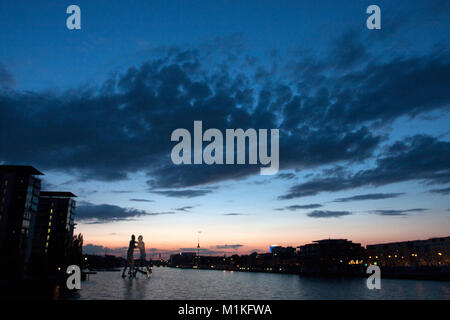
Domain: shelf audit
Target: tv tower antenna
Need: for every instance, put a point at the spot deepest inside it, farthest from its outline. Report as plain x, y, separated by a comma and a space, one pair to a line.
198, 247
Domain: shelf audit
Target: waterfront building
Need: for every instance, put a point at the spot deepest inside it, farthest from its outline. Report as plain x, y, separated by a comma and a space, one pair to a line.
183, 259
53, 237
331, 255
19, 197
431, 252
274, 247
282, 251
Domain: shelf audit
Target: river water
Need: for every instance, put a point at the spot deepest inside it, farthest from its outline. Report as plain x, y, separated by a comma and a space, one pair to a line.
172, 283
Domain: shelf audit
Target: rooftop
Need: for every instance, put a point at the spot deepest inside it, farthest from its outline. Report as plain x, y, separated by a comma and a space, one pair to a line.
22, 169
57, 194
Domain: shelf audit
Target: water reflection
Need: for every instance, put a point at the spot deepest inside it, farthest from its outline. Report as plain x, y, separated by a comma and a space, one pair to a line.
169, 283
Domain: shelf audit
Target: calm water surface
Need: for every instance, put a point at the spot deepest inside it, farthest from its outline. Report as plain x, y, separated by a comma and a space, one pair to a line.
171, 283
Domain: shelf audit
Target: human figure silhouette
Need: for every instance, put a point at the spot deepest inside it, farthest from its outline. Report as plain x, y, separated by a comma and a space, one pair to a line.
130, 256
142, 261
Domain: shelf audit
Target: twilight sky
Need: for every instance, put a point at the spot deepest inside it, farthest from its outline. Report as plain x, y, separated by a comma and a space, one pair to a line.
363, 118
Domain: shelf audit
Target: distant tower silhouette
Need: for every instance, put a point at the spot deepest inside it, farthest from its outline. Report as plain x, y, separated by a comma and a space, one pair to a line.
198, 248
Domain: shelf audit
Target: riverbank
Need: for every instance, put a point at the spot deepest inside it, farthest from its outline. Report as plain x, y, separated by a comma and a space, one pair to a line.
423, 273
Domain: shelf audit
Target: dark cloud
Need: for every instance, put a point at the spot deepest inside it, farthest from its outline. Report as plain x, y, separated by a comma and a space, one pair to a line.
285, 176
348, 50
234, 214
142, 200
443, 191
397, 212
369, 196
121, 191
328, 214
180, 176
187, 193
421, 157
103, 213
428, 74
185, 208
101, 250
229, 246
298, 207
123, 125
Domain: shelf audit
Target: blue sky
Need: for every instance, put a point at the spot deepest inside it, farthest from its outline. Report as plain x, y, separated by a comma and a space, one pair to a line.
361, 112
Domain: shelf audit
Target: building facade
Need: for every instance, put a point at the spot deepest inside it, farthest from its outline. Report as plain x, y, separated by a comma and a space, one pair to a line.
331, 255
53, 236
19, 198
433, 252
